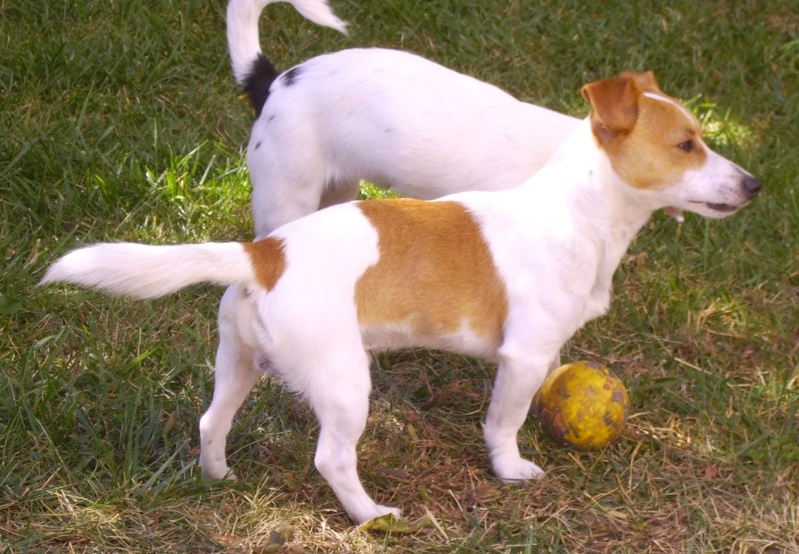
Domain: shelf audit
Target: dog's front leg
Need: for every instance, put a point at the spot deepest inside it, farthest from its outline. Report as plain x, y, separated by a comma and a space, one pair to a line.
554, 364
519, 377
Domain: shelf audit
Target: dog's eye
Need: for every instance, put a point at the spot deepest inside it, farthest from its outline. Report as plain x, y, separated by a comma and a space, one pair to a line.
688, 146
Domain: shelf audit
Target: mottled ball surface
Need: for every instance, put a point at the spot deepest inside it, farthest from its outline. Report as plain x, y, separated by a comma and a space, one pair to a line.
583, 405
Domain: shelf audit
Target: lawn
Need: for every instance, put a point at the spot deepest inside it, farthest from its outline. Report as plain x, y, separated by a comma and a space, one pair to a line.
122, 121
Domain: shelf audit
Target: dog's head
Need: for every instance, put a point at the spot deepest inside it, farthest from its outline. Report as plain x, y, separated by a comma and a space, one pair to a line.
655, 144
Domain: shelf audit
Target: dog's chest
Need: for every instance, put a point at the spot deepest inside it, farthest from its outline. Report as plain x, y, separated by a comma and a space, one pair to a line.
598, 300
610, 250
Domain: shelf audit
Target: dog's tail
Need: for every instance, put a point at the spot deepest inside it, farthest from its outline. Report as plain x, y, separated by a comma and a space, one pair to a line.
144, 271
253, 71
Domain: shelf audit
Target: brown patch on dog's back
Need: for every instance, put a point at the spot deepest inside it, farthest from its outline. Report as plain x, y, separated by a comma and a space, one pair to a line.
268, 260
435, 273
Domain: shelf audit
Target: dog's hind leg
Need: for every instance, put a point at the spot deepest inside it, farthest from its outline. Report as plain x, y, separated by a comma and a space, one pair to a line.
338, 193
283, 199
290, 171
339, 395
234, 377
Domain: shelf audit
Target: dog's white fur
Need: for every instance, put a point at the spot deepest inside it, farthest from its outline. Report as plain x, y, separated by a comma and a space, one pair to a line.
508, 275
389, 117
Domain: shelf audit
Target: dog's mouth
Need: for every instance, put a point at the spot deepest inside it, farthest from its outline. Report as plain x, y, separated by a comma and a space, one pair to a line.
723, 208
718, 207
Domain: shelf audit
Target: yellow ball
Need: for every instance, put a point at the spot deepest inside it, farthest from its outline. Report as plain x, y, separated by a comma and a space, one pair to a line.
582, 404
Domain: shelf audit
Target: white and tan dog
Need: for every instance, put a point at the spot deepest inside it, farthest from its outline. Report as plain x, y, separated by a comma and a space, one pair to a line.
389, 117
508, 276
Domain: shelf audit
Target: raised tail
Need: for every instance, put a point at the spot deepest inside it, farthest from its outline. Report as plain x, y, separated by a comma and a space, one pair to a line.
253, 71
144, 271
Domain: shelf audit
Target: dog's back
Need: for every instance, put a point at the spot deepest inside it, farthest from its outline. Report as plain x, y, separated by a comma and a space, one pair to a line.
384, 116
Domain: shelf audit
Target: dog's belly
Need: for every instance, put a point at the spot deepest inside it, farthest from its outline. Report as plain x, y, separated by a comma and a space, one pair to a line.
398, 336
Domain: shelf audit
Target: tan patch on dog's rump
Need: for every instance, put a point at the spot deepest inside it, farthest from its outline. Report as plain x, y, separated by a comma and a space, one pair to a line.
268, 260
435, 274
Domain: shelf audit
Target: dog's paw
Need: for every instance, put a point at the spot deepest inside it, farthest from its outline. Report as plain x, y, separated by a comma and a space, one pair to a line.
386, 510
221, 473
376, 511
517, 470
390, 522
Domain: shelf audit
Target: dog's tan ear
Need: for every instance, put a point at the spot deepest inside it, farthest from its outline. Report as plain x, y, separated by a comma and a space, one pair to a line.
615, 103
646, 81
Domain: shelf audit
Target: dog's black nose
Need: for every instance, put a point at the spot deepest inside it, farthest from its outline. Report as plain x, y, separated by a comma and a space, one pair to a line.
752, 185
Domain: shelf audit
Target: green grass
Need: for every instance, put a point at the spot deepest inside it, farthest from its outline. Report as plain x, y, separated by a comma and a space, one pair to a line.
122, 122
